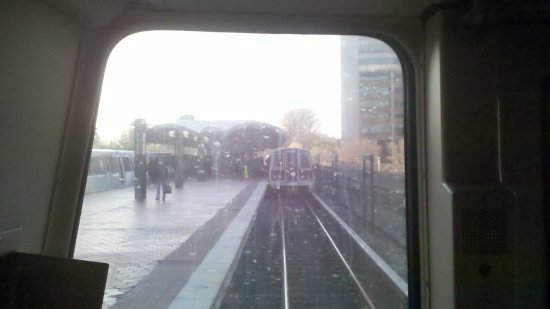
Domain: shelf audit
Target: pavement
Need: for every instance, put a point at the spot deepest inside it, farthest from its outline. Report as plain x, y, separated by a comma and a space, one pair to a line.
206, 287
134, 238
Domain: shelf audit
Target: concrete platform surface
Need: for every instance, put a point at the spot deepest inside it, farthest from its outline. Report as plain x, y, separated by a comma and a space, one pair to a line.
134, 237
205, 288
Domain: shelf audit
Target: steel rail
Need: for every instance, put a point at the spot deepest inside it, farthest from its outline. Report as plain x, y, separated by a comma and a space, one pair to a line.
285, 270
367, 250
342, 259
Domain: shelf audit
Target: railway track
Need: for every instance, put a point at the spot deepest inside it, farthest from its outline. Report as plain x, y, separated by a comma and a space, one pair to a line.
318, 276
296, 257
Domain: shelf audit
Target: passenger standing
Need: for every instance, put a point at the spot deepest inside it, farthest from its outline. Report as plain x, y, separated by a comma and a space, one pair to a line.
152, 170
162, 176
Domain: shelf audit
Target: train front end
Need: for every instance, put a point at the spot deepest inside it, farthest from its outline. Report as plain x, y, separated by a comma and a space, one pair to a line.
291, 169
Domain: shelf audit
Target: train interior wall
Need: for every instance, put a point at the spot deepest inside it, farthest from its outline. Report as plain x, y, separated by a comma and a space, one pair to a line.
38, 57
483, 139
485, 111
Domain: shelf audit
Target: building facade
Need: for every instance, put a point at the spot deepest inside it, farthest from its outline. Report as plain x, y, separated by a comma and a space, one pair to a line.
372, 91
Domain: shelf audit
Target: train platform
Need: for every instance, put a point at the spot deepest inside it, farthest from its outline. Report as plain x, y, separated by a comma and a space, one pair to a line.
153, 247
178, 253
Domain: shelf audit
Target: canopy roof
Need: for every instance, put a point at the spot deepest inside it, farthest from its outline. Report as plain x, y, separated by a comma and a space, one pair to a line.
235, 135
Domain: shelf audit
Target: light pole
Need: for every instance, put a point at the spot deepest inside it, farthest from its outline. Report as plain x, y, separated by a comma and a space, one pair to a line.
178, 151
369, 157
140, 160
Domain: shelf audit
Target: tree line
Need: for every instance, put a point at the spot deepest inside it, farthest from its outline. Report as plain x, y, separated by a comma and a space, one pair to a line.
302, 127
124, 142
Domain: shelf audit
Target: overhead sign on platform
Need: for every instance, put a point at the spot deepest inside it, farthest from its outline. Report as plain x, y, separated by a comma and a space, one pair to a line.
192, 151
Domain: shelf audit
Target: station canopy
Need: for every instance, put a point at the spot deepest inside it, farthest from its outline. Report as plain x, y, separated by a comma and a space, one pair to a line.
251, 137
235, 136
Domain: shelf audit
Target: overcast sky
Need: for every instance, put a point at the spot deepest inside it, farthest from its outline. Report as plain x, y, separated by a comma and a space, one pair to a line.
162, 75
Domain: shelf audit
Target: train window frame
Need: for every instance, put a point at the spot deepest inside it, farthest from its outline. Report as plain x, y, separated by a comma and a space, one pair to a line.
95, 50
412, 227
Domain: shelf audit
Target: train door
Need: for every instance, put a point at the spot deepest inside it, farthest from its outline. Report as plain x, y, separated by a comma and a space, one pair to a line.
128, 171
98, 179
116, 178
291, 166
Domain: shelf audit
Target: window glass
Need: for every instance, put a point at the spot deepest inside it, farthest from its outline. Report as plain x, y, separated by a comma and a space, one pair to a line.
271, 141
102, 166
127, 165
290, 159
304, 160
114, 165
95, 167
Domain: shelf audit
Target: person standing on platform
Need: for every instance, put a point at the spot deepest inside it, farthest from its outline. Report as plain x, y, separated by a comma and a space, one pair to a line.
152, 170
162, 177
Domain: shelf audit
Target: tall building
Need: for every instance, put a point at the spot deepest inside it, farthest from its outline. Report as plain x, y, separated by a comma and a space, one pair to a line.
372, 91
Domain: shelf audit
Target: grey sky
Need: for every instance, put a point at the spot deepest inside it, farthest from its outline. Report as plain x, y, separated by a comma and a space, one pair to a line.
163, 75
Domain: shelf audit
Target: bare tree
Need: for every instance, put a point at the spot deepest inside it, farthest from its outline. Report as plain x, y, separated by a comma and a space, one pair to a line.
353, 152
98, 141
397, 156
301, 125
124, 142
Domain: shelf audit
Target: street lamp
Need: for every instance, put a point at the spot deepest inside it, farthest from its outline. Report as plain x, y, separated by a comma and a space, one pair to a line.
369, 157
140, 159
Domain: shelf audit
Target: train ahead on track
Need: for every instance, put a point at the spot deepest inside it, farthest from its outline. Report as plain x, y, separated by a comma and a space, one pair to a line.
290, 169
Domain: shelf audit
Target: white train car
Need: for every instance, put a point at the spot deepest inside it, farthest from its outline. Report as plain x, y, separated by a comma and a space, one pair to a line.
110, 169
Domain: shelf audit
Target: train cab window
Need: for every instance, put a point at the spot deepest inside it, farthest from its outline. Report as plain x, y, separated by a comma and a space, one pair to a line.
290, 160
270, 171
277, 160
304, 160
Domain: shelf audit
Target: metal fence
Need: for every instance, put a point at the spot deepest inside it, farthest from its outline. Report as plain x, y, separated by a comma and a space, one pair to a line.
377, 198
